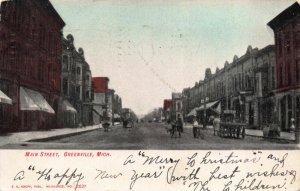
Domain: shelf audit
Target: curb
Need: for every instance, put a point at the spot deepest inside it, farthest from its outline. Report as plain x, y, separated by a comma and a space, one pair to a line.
61, 136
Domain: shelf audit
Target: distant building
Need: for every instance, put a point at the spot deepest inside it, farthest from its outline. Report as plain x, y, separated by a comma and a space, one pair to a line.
100, 87
286, 27
177, 107
167, 109
30, 64
110, 101
117, 108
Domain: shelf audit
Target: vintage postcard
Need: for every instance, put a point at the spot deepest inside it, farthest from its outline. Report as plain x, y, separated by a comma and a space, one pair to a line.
200, 95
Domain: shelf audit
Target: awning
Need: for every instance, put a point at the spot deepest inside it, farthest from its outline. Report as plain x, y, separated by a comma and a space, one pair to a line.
116, 115
193, 112
98, 109
208, 105
97, 112
66, 106
4, 98
33, 101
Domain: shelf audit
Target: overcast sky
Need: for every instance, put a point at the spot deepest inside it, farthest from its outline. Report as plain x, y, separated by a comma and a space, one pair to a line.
149, 49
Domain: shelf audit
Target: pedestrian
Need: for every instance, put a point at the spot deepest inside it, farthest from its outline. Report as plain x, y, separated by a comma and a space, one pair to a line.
216, 124
179, 126
196, 129
292, 128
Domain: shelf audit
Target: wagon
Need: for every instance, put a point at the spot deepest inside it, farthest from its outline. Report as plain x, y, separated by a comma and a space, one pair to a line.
232, 130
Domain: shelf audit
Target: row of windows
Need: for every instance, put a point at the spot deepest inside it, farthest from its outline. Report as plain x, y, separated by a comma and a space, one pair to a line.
285, 77
23, 20
238, 82
65, 89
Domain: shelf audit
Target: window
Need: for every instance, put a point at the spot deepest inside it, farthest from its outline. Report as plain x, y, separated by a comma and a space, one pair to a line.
65, 62
40, 72
87, 94
289, 73
178, 106
87, 78
65, 86
297, 63
288, 46
279, 74
78, 70
273, 77
279, 46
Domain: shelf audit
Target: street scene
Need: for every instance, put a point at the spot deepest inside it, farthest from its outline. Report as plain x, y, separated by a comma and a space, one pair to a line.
126, 75
154, 136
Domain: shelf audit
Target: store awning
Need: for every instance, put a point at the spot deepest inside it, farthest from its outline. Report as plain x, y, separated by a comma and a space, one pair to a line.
117, 116
4, 98
208, 105
66, 106
193, 112
31, 100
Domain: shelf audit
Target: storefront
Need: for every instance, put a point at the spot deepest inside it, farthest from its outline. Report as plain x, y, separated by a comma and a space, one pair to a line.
288, 107
36, 113
68, 114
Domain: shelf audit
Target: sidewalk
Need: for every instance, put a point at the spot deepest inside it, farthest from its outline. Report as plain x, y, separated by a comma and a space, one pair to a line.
283, 135
19, 137
257, 133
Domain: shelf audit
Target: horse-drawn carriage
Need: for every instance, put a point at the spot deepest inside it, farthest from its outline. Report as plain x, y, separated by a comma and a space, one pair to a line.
228, 127
232, 130
127, 119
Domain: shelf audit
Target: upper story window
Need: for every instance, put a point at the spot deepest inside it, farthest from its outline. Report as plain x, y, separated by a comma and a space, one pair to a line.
273, 77
65, 86
289, 73
65, 62
297, 71
87, 78
287, 43
279, 40
78, 70
178, 106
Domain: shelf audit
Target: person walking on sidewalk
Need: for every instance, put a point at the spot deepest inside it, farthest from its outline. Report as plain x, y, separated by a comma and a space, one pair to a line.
196, 128
216, 124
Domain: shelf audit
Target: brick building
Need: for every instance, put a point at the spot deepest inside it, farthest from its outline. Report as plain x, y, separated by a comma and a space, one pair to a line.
243, 87
286, 27
30, 64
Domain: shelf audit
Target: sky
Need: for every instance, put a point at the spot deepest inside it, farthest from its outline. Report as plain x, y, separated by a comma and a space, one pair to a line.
149, 49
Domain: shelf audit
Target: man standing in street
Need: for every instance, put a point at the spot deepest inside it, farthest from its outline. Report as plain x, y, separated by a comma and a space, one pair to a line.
196, 129
216, 124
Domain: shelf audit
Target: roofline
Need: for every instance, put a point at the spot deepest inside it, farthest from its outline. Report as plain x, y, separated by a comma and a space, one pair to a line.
272, 23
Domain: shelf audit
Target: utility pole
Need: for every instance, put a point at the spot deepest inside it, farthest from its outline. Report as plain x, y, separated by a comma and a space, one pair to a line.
297, 129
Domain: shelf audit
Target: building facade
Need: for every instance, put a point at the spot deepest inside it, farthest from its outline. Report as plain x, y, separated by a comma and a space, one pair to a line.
100, 87
30, 64
242, 88
76, 86
167, 110
286, 27
117, 108
177, 106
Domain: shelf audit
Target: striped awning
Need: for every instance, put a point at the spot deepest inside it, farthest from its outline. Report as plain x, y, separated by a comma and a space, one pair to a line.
4, 98
66, 106
193, 112
208, 105
31, 100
